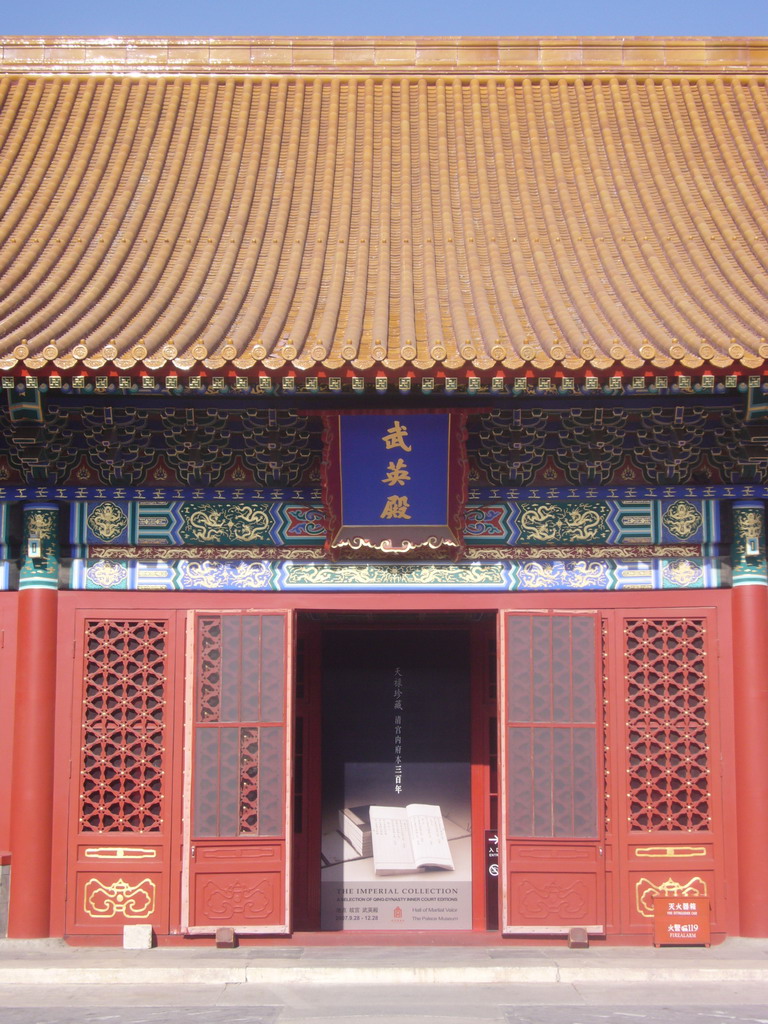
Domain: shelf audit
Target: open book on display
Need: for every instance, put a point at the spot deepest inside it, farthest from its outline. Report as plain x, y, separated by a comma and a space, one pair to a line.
409, 838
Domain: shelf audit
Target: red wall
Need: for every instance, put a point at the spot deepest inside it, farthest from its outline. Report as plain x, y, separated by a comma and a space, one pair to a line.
8, 605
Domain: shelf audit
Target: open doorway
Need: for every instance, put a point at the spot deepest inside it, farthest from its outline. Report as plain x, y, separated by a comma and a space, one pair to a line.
398, 717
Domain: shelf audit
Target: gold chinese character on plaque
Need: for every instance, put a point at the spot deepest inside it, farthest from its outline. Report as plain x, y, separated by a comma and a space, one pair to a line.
397, 473
395, 437
396, 507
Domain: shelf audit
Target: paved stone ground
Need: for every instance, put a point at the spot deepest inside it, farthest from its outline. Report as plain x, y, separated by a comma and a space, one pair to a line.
274, 1015
716, 1003
634, 1015
47, 982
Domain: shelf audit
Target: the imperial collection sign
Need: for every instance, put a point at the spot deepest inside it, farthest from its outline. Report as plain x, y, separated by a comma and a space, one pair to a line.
396, 808
395, 481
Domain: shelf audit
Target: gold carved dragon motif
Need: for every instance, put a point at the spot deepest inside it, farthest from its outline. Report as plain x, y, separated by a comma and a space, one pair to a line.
563, 522
224, 522
107, 521
682, 519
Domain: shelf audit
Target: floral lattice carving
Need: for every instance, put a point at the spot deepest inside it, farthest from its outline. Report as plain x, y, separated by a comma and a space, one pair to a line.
122, 771
249, 781
667, 744
209, 667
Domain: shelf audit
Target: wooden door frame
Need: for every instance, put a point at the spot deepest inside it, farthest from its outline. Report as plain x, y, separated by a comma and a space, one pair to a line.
584, 850
307, 781
90, 855
188, 745
484, 697
659, 852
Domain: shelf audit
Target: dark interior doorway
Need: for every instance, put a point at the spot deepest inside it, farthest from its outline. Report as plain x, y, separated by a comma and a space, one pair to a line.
396, 736
393, 713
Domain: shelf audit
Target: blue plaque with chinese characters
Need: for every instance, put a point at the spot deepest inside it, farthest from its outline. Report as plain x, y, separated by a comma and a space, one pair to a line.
394, 481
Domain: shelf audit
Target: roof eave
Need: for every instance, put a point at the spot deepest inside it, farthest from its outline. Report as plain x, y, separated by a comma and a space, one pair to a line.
239, 55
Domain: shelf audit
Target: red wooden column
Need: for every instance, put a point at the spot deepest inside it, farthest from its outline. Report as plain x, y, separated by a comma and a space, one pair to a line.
750, 666
32, 775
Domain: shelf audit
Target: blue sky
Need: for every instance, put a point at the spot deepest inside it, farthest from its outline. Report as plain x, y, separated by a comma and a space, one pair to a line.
385, 17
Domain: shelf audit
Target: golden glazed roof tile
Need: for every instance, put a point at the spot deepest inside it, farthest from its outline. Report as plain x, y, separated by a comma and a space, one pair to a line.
454, 219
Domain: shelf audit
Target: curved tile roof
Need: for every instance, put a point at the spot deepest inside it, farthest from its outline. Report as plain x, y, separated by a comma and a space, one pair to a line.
417, 220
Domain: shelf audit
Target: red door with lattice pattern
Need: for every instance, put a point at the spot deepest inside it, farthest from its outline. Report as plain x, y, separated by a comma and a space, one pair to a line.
553, 873
121, 856
237, 772
667, 759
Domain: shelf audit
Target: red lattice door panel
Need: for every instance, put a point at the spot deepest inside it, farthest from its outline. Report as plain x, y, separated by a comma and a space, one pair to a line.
553, 874
669, 803
119, 863
238, 757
